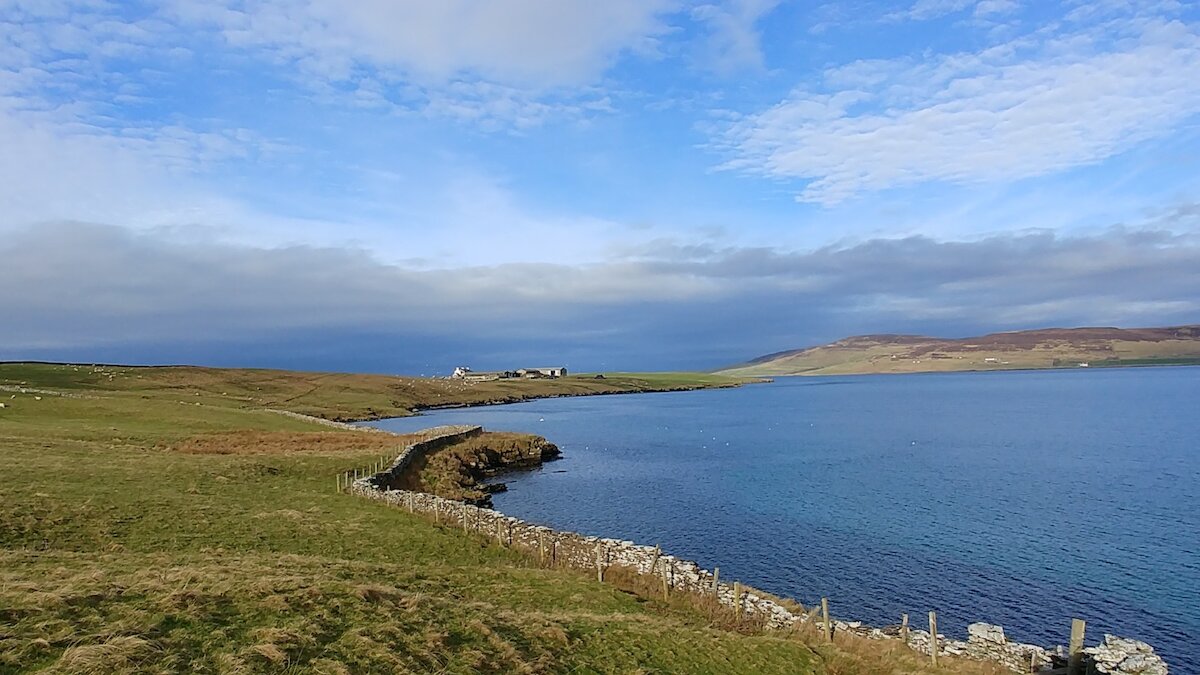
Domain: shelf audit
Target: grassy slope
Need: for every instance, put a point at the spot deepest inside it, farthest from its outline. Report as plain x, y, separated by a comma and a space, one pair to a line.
863, 355
119, 553
333, 395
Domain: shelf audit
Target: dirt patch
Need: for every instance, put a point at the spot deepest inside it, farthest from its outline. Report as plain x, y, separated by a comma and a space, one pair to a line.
291, 443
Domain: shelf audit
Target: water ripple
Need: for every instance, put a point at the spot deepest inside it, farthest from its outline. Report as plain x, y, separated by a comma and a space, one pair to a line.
1023, 499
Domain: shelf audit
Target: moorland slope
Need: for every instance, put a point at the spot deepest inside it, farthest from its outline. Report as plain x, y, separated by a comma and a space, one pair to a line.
1031, 349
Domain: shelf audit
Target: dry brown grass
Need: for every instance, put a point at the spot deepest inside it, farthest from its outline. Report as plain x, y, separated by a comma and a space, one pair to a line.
120, 654
1002, 351
292, 443
847, 654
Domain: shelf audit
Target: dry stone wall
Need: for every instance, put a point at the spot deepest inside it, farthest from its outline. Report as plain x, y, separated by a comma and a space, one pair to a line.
431, 440
324, 422
985, 642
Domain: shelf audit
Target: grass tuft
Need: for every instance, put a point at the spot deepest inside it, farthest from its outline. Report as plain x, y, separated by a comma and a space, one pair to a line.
120, 654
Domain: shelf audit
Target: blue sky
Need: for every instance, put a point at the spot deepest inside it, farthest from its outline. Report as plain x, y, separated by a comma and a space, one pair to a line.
404, 186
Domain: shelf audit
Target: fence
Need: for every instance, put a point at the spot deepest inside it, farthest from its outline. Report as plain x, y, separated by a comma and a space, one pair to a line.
1115, 656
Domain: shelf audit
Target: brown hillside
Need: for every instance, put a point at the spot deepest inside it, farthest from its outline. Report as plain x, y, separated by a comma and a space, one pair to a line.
1042, 348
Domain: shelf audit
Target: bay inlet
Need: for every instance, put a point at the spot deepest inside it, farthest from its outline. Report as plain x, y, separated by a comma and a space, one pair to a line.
1016, 498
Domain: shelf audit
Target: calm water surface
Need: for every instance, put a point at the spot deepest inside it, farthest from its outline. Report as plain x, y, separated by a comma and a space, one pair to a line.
1020, 498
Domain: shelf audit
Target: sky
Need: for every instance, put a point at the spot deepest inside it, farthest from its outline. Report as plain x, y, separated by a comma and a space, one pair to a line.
406, 186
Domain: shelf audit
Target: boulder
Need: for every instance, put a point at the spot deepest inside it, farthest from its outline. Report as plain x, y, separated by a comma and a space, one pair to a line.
986, 632
1122, 656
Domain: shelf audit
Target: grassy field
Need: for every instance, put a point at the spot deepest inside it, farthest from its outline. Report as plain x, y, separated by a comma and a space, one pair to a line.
160, 520
337, 396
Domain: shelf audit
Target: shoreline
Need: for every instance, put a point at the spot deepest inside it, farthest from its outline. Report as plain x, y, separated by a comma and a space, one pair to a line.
338, 397
539, 397
985, 642
1030, 369
417, 411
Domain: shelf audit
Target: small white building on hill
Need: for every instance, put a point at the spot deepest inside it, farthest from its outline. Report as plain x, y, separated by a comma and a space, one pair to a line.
465, 373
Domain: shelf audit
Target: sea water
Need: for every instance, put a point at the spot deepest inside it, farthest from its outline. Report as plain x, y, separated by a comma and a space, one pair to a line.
1017, 498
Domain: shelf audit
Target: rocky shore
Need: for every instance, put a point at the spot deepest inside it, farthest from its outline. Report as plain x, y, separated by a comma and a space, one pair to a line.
455, 462
985, 642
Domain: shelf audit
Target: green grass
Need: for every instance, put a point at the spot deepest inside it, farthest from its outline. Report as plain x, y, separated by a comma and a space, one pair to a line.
687, 380
1164, 361
119, 553
342, 396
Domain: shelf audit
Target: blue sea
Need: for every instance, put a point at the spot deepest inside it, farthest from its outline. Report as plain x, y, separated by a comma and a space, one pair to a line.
1017, 498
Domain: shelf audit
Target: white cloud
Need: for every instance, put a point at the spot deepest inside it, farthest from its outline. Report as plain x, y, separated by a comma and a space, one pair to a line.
1025, 108
495, 107
534, 43
734, 41
991, 7
505, 64
926, 10
922, 10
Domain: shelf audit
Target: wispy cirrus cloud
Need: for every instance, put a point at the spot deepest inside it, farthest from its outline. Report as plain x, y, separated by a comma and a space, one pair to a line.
1061, 97
511, 63
930, 9
505, 65
517, 42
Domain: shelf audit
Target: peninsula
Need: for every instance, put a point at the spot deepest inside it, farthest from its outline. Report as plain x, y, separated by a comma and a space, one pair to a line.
1020, 350
341, 397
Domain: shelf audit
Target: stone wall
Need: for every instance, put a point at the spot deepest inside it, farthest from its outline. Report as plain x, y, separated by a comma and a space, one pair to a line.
985, 642
324, 422
431, 439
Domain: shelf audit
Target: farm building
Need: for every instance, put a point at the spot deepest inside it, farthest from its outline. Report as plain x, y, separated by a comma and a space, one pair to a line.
465, 373
542, 372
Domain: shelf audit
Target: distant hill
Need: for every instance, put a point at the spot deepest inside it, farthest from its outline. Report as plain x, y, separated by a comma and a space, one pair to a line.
1044, 348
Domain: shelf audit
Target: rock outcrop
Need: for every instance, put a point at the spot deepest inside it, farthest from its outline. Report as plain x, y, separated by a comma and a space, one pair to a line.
1122, 656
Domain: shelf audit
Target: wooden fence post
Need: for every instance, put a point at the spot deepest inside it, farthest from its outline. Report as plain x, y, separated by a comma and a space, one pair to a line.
657, 555
828, 625
904, 628
542, 548
666, 583
737, 598
716, 580
1075, 650
411, 506
500, 532
599, 563
464, 517
933, 638
339, 483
